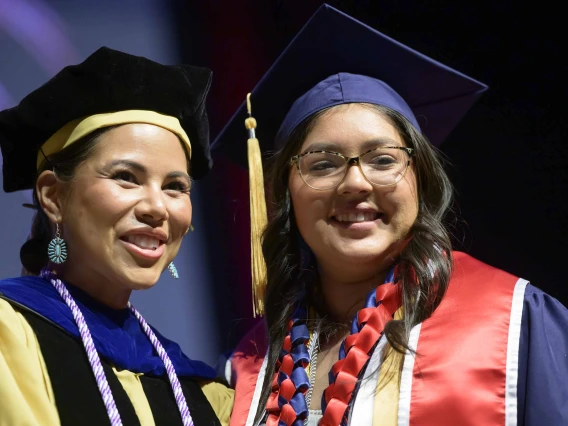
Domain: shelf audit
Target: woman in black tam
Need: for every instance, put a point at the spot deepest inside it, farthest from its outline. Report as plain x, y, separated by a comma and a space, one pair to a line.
371, 317
110, 148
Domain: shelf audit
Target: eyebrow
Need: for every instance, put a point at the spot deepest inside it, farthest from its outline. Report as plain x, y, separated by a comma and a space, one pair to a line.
371, 143
142, 169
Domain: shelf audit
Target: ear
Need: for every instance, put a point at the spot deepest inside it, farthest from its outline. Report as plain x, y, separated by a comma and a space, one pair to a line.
50, 195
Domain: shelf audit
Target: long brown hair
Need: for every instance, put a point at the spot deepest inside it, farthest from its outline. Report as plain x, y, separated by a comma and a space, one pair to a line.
291, 269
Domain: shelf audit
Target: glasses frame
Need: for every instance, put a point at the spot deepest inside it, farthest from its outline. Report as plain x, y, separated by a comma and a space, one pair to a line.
295, 160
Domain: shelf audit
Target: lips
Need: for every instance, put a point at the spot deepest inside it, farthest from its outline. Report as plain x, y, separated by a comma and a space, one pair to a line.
142, 243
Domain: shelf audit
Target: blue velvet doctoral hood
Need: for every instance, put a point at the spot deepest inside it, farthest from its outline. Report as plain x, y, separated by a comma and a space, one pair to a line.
116, 333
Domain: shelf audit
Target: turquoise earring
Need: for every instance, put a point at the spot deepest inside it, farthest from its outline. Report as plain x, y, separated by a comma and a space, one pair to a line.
171, 266
173, 270
57, 249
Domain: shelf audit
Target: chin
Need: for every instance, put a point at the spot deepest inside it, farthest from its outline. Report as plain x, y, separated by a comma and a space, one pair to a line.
360, 257
362, 251
141, 278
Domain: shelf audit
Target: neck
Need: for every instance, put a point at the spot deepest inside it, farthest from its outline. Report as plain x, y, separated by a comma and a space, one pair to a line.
344, 293
94, 286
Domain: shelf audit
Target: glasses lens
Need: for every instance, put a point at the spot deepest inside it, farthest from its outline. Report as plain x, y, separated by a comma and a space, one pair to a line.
385, 166
322, 170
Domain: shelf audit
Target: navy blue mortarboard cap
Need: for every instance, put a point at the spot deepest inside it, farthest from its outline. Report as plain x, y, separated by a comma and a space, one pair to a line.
336, 59
341, 88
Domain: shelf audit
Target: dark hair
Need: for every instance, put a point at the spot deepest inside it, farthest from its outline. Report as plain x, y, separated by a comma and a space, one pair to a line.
429, 249
33, 253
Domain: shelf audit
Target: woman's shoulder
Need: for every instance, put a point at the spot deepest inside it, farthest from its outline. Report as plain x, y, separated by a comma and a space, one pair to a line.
11, 319
543, 359
24, 287
15, 331
247, 355
31, 294
9, 316
543, 307
468, 267
254, 342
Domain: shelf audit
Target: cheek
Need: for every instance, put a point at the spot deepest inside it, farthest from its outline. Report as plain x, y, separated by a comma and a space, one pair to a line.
301, 212
403, 202
310, 207
109, 204
91, 215
101, 204
301, 203
181, 213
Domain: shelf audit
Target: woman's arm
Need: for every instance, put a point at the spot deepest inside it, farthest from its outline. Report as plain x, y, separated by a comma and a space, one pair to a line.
542, 387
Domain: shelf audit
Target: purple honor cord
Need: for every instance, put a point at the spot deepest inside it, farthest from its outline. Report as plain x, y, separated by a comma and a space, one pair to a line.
95, 360
174, 381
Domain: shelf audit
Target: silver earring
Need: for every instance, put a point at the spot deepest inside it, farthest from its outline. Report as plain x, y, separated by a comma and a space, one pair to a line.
173, 270
57, 249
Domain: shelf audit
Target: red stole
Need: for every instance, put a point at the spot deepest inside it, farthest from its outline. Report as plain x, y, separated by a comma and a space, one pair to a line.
459, 374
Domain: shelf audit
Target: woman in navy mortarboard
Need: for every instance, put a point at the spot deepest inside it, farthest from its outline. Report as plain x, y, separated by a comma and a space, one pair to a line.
109, 148
370, 317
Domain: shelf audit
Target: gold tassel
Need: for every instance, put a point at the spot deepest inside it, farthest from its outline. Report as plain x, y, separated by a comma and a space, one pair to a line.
258, 216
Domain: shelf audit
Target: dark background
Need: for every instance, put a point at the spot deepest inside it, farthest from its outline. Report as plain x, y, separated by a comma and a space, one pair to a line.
508, 157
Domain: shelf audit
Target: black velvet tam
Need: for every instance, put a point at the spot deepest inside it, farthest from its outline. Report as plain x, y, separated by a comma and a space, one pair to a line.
107, 81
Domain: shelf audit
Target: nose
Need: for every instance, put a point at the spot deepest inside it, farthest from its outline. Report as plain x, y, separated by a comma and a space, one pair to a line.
354, 182
152, 208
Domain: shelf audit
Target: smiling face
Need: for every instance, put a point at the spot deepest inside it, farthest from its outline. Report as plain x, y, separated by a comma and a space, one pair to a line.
125, 212
355, 223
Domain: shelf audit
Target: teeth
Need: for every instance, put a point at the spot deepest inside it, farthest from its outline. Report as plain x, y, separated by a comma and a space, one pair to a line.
359, 217
143, 241
371, 216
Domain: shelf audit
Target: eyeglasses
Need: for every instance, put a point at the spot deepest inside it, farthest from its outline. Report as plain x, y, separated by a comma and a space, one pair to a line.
383, 166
